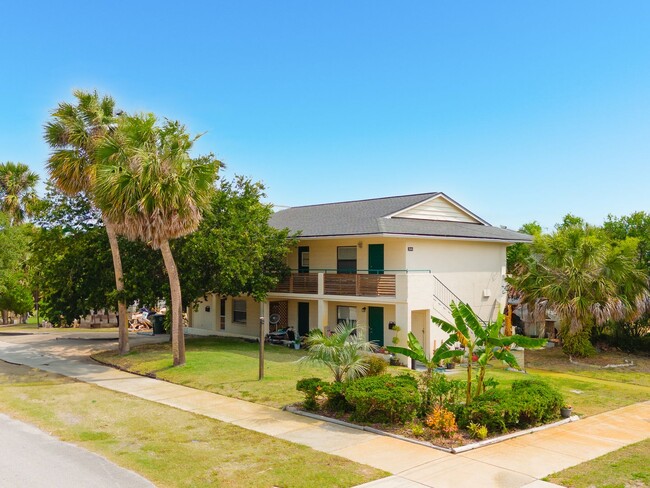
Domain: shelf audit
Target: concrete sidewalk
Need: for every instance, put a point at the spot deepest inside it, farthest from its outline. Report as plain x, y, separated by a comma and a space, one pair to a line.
519, 462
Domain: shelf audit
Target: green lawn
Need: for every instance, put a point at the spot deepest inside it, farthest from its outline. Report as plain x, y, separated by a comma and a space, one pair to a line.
170, 447
627, 467
229, 367
226, 366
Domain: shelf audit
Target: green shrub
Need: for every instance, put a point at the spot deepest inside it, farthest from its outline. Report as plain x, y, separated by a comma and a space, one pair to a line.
312, 388
437, 390
376, 365
528, 402
477, 431
383, 399
537, 401
335, 398
577, 344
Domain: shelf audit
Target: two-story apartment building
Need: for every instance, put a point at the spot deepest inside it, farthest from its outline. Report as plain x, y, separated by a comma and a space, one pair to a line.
380, 262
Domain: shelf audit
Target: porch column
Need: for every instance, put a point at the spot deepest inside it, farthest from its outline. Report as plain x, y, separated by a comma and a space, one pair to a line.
403, 319
321, 284
323, 319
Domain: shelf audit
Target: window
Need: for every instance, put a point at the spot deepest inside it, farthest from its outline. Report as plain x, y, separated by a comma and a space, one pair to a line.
346, 259
346, 314
304, 260
222, 314
239, 311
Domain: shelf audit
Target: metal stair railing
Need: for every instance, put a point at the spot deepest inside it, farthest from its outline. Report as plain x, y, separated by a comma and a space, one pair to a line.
445, 296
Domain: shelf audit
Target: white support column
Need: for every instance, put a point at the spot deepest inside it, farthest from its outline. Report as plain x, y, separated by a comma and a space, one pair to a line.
323, 319
403, 319
321, 284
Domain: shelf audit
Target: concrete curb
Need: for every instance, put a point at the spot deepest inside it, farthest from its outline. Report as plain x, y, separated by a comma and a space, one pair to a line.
452, 450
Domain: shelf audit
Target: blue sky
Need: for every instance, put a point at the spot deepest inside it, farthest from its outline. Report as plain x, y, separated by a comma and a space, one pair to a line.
519, 110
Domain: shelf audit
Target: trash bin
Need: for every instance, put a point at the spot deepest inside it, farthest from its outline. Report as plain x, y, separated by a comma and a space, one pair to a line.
157, 320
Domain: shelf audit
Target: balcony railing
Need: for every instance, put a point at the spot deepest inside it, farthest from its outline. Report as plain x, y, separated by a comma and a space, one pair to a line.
299, 283
360, 285
340, 284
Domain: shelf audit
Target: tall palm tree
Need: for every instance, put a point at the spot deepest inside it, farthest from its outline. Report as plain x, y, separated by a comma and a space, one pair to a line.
154, 191
17, 190
584, 278
74, 134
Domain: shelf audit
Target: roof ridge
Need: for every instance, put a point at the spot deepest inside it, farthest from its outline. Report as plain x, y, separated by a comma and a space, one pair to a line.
365, 200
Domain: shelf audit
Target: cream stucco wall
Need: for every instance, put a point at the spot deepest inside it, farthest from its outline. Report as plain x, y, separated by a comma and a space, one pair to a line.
322, 253
210, 320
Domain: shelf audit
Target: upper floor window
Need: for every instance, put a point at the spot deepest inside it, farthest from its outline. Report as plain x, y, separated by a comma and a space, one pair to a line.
346, 259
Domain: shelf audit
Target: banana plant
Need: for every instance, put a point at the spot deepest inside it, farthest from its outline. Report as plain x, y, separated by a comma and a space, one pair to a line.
486, 341
416, 352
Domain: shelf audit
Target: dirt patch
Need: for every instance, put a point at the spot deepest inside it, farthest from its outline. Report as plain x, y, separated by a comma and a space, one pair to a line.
554, 359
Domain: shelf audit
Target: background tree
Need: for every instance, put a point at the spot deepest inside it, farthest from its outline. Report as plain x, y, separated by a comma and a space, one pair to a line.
17, 191
154, 191
15, 290
234, 251
519, 252
71, 252
585, 278
73, 135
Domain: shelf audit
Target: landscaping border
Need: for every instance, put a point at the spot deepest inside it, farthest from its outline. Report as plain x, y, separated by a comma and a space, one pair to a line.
450, 450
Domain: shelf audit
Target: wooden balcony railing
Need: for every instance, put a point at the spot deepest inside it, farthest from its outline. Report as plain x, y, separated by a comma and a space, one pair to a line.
359, 285
299, 283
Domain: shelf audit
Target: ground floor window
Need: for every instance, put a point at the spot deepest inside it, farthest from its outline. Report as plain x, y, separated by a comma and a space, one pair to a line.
346, 315
239, 311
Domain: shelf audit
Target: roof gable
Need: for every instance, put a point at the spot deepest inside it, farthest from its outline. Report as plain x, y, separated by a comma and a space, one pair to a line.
438, 207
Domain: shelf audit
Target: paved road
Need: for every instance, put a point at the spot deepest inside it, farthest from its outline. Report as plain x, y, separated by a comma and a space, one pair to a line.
31, 458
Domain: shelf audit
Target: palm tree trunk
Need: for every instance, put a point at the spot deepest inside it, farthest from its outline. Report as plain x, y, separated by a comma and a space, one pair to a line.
178, 337
119, 286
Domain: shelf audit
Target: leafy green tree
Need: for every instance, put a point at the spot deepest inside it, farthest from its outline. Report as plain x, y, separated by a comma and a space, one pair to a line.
234, 251
585, 278
154, 191
74, 134
17, 190
635, 225
15, 290
519, 252
71, 252
343, 352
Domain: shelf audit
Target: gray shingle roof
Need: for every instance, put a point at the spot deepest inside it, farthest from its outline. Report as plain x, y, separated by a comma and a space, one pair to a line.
362, 217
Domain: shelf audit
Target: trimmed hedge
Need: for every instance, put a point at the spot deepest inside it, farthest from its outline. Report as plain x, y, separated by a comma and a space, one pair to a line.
383, 399
528, 402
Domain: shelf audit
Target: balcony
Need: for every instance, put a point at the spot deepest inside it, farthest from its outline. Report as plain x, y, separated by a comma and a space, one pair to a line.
339, 284
299, 283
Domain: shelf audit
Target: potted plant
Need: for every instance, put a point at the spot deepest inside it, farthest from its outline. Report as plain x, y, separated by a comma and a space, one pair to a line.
566, 411
296, 342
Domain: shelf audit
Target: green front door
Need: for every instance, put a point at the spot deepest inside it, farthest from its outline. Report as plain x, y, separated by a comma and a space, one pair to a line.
375, 259
376, 325
303, 318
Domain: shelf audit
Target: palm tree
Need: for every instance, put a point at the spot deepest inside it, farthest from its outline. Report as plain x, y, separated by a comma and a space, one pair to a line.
150, 187
17, 190
74, 134
343, 352
585, 279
